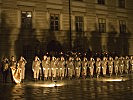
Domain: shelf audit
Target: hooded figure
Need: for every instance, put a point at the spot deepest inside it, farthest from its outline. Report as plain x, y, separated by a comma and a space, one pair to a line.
104, 65
121, 65
98, 67
127, 64
110, 64
91, 66
70, 67
22, 62
61, 68
36, 67
45, 66
57, 67
84, 67
116, 65
53, 67
77, 67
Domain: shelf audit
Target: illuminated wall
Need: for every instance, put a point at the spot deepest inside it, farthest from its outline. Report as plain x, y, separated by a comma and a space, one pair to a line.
29, 42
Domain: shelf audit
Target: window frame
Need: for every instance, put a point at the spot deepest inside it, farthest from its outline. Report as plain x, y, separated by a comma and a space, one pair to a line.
54, 20
122, 3
102, 25
79, 23
122, 26
26, 18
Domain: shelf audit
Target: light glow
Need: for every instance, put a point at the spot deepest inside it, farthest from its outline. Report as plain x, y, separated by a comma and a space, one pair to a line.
47, 84
29, 15
113, 79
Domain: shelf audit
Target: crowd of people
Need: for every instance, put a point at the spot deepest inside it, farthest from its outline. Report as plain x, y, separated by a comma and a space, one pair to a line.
60, 67
16, 69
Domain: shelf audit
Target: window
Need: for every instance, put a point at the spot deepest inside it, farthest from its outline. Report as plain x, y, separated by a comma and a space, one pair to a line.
102, 25
101, 2
121, 3
122, 25
79, 23
26, 19
54, 22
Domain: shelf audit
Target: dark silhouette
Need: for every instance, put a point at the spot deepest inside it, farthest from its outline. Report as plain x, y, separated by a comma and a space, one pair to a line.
53, 45
118, 43
5, 39
111, 41
81, 43
95, 41
122, 44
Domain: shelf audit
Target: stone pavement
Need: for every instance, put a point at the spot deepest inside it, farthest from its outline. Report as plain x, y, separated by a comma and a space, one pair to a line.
114, 88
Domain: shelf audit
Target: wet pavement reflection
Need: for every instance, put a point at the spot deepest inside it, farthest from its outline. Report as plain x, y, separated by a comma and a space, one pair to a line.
117, 88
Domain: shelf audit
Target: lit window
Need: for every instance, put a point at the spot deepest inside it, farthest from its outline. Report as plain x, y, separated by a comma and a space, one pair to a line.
102, 25
102, 2
26, 19
54, 22
122, 25
79, 23
121, 3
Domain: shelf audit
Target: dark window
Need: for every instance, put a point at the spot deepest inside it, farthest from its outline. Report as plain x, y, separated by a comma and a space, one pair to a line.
54, 22
121, 3
102, 25
122, 25
101, 2
26, 19
79, 23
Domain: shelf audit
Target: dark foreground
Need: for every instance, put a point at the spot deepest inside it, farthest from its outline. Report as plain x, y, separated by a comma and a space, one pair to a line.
116, 88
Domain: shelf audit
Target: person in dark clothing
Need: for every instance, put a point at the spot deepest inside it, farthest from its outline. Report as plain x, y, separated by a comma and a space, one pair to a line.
5, 68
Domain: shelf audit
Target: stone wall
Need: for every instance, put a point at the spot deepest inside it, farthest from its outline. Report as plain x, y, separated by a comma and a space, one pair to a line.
15, 41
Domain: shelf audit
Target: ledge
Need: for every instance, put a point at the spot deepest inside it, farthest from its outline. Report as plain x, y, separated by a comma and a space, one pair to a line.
54, 1
101, 7
21, 3
79, 3
50, 6
122, 10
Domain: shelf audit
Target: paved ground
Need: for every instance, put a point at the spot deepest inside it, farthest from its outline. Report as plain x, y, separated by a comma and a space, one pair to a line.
115, 88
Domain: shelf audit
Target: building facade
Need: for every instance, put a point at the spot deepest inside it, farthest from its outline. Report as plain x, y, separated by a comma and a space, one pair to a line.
35, 26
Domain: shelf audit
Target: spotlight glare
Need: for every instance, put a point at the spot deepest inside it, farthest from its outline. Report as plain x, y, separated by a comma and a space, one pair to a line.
113, 79
47, 85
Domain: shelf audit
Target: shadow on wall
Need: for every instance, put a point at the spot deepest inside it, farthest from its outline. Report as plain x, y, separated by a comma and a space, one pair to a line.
111, 41
50, 43
95, 41
66, 43
122, 44
81, 43
118, 42
5, 36
27, 44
